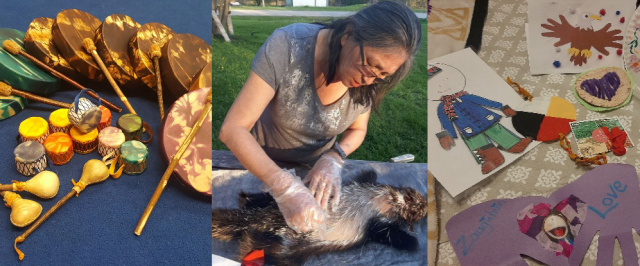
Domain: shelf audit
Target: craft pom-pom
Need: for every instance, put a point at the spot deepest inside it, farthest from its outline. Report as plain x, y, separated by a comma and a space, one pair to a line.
603, 12
599, 56
619, 52
556, 64
617, 13
622, 20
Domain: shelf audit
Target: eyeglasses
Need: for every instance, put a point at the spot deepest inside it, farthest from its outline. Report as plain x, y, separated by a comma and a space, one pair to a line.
368, 71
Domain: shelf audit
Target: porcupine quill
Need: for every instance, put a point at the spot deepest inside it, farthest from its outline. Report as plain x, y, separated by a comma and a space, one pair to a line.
367, 212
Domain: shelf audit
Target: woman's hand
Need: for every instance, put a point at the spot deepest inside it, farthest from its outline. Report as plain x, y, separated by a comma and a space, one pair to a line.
300, 210
325, 179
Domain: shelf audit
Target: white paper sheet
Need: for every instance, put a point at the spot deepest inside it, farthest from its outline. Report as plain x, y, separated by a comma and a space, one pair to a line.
578, 13
456, 169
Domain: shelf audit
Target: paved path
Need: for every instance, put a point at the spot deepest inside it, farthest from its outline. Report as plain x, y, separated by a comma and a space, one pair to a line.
291, 13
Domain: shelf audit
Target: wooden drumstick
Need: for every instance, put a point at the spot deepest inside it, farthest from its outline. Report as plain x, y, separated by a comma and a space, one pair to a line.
15, 49
155, 54
94, 171
91, 48
172, 165
6, 90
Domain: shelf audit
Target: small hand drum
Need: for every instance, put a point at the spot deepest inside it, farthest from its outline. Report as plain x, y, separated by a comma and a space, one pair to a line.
112, 42
194, 170
183, 57
70, 28
140, 45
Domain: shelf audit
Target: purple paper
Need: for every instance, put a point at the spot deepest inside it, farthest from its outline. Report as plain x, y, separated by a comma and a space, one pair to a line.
498, 232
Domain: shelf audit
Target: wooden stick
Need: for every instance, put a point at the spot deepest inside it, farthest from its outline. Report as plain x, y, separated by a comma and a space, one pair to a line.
91, 48
14, 48
155, 53
6, 90
41, 220
8, 187
174, 162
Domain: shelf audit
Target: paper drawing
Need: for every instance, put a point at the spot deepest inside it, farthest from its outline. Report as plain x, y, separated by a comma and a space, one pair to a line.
575, 36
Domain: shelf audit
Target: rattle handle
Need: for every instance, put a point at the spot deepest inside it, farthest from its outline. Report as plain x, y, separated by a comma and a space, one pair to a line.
67, 79
8, 187
92, 50
41, 220
172, 166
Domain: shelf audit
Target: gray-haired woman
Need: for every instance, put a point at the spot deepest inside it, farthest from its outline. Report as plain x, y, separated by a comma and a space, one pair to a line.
308, 83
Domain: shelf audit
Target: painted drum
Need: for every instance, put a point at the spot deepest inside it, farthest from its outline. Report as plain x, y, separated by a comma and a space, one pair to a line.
71, 26
59, 148
11, 105
202, 79
86, 117
109, 141
105, 121
112, 43
194, 169
59, 121
140, 45
30, 158
133, 156
19, 72
34, 128
38, 42
183, 57
84, 143
131, 126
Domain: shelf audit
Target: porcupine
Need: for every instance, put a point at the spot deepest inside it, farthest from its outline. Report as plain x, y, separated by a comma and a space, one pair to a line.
368, 211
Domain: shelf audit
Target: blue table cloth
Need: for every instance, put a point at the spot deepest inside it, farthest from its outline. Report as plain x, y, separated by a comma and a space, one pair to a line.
97, 227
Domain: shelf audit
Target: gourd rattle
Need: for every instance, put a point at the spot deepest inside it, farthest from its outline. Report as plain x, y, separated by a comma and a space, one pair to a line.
45, 185
94, 171
23, 211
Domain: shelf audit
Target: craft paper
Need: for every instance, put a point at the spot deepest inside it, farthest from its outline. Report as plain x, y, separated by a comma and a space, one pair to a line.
498, 232
457, 169
544, 118
574, 36
631, 49
591, 140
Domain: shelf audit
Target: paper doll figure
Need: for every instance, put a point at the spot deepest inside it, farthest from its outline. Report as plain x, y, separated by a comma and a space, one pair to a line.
479, 127
582, 37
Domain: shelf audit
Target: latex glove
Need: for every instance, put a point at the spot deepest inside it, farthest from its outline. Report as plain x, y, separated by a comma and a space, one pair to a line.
508, 111
300, 210
325, 179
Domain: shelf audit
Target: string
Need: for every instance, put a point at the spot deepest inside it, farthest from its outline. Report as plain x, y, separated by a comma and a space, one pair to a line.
566, 145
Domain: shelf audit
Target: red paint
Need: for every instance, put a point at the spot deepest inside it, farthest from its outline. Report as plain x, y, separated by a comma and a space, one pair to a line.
619, 52
622, 20
599, 56
603, 12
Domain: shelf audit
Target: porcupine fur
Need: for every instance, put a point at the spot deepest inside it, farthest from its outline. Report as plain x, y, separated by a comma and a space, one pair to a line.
368, 211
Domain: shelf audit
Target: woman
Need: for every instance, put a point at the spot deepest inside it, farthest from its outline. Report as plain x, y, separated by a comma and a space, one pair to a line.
308, 83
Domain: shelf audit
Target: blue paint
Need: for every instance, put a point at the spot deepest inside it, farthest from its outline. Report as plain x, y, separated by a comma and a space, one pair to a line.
556, 64
485, 223
608, 201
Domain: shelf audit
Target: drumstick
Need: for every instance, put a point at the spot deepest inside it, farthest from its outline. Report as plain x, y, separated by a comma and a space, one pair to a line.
91, 48
15, 49
155, 53
173, 164
94, 171
6, 90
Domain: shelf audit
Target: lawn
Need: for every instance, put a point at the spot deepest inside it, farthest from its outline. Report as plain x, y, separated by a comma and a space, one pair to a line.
312, 8
401, 127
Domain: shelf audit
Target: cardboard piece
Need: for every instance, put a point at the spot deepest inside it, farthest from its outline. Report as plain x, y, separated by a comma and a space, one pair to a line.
457, 169
490, 234
573, 36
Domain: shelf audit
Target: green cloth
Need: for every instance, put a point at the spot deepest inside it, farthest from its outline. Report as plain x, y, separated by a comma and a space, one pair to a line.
498, 133
134, 151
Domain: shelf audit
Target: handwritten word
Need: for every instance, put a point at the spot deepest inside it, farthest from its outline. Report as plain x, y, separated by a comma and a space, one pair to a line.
608, 201
485, 223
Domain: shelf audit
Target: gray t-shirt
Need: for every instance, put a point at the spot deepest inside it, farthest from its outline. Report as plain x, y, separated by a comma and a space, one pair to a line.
295, 126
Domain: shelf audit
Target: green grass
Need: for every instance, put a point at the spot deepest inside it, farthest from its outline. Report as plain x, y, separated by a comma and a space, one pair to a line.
401, 127
312, 8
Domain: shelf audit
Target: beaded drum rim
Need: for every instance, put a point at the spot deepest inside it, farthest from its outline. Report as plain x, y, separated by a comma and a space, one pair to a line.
33, 167
133, 168
55, 129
